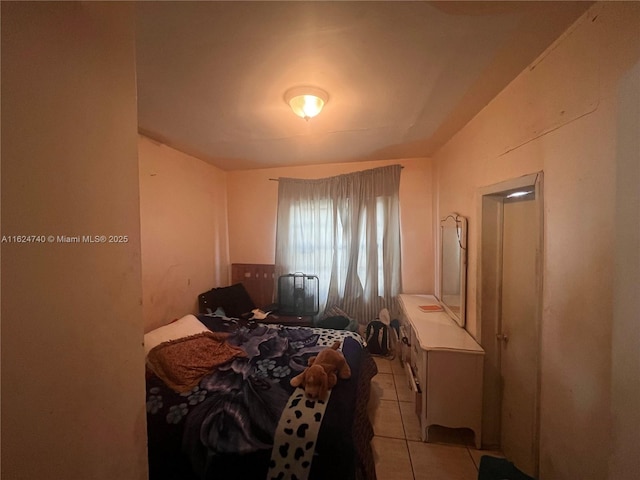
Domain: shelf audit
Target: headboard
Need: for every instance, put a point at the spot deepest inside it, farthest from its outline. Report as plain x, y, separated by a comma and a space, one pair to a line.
258, 280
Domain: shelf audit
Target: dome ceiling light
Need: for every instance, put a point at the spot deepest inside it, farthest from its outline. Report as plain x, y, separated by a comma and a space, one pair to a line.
306, 102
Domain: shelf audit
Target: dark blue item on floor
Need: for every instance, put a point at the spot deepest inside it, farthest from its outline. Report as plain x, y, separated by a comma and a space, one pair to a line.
494, 468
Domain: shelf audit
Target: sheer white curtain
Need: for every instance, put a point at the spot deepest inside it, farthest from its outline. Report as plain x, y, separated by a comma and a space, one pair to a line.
346, 230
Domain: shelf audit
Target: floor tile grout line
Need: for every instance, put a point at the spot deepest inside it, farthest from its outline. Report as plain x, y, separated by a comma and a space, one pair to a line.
473, 460
413, 473
406, 440
404, 432
404, 428
406, 446
390, 438
466, 444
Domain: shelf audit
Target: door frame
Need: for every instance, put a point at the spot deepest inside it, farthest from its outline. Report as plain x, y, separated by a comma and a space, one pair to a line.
490, 203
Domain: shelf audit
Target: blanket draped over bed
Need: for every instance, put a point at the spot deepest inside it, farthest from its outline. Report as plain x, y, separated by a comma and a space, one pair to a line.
223, 428
183, 362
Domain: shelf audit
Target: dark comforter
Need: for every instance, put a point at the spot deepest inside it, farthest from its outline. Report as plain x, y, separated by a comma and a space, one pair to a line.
224, 427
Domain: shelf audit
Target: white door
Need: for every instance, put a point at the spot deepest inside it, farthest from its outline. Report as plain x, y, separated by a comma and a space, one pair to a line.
518, 332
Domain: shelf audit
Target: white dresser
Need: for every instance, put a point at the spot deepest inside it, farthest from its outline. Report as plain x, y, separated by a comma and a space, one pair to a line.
444, 364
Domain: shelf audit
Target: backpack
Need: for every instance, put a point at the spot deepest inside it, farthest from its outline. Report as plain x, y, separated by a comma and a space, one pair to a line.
377, 338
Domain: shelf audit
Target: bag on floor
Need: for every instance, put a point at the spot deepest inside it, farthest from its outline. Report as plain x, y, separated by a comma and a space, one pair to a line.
378, 338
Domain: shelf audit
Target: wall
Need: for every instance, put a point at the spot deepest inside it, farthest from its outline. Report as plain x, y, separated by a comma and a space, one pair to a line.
183, 224
253, 202
560, 116
73, 398
625, 365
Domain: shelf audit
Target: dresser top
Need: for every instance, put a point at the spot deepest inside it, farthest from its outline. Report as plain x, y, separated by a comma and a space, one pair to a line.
436, 330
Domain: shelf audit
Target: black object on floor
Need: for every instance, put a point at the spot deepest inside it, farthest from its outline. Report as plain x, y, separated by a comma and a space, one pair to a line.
494, 468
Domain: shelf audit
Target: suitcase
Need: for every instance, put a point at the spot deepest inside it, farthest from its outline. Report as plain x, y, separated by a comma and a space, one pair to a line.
298, 294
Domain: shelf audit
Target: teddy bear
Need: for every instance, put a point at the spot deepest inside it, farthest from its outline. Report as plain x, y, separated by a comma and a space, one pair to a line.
322, 373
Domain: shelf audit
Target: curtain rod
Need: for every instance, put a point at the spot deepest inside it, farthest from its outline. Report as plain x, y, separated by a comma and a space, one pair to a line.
277, 179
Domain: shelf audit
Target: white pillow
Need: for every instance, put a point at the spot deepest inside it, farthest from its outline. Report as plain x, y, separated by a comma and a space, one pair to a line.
184, 327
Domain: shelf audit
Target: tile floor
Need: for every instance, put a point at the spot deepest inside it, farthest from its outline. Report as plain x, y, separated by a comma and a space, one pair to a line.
399, 452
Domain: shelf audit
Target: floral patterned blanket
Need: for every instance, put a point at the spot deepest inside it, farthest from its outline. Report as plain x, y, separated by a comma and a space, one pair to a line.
183, 362
224, 427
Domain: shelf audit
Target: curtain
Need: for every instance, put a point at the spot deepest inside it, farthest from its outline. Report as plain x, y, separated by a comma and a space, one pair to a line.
346, 230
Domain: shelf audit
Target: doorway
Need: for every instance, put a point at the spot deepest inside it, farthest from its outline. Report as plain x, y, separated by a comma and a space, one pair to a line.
509, 307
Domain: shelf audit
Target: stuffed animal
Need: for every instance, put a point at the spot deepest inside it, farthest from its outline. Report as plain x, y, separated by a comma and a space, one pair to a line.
322, 373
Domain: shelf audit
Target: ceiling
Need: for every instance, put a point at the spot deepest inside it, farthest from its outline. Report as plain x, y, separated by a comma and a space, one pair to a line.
402, 77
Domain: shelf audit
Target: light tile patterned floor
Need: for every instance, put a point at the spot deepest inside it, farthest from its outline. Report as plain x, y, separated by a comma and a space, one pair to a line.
398, 451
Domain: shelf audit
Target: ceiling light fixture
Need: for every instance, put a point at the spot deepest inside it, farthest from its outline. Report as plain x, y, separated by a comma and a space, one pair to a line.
306, 102
521, 193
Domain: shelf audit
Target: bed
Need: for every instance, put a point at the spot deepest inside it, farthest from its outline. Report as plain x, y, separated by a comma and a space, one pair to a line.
224, 423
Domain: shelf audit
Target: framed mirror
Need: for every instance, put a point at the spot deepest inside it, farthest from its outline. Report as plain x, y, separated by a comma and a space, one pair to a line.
453, 266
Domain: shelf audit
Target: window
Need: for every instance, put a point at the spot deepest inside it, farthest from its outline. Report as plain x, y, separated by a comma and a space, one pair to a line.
346, 231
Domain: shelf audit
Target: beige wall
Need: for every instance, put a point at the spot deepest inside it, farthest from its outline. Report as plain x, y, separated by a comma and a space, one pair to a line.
73, 399
560, 116
183, 224
253, 201
625, 368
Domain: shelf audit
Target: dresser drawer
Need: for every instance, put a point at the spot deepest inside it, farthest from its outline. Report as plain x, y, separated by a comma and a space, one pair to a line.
417, 357
414, 349
405, 342
414, 385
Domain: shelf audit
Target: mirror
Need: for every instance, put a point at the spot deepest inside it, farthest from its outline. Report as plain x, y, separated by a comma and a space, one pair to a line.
453, 266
